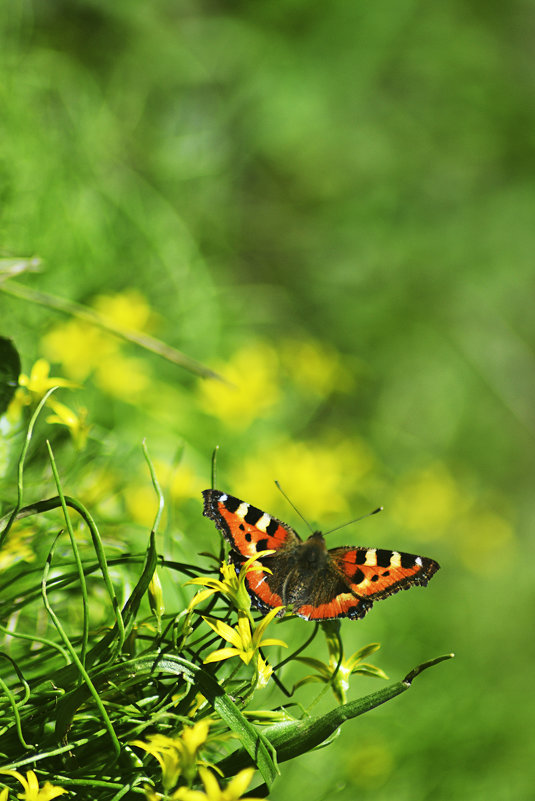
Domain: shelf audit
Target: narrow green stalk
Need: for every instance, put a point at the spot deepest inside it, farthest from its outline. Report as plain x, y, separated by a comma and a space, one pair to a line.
35, 638
20, 466
76, 554
157, 488
15, 709
74, 656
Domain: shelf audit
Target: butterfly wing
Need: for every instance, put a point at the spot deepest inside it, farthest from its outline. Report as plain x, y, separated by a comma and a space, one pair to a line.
376, 573
356, 577
249, 531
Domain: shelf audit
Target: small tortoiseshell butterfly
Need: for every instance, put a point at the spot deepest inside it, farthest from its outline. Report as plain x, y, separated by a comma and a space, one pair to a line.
318, 584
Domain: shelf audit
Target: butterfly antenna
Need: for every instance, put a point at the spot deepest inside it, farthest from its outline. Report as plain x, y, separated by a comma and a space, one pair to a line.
356, 520
294, 507
214, 466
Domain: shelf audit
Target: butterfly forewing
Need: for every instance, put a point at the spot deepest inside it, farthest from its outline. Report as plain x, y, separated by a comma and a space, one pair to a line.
248, 529
377, 573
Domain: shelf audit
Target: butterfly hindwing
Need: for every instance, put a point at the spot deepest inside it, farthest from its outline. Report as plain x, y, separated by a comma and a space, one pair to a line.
248, 529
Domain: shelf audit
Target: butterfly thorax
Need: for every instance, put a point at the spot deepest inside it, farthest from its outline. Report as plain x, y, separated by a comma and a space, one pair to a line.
311, 554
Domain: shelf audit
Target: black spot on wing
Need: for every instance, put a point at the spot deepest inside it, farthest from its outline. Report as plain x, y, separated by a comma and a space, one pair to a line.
272, 527
358, 576
231, 504
262, 545
253, 515
383, 557
407, 561
360, 557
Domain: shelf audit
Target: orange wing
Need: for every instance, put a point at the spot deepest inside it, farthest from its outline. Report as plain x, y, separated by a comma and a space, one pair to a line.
248, 529
376, 573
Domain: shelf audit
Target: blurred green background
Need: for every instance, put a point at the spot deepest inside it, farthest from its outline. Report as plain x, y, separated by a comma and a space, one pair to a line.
331, 204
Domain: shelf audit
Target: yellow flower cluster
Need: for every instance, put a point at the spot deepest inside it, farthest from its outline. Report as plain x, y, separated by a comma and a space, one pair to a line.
246, 638
179, 760
30, 786
32, 389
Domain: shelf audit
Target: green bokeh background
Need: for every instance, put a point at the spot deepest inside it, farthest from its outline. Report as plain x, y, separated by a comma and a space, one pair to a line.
356, 174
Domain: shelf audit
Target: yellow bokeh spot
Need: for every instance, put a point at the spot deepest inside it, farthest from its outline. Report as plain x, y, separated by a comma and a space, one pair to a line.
16, 547
79, 347
427, 501
186, 483
253, 388
128, 309
318, 477
315, 367
482, 537
82, 348
123, 377
141, 503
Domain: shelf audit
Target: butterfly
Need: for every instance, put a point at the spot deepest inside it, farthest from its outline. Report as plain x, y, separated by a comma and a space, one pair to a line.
317, 583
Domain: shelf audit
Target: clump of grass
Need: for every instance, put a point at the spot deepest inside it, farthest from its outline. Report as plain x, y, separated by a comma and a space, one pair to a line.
151, 702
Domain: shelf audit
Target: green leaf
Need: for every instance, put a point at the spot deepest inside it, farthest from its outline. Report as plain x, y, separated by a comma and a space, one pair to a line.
9, 372
292, 738
366, 650
369, 670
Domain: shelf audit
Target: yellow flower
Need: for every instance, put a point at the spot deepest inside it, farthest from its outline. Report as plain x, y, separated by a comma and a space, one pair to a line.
253, 388
232, 586
20, 399
177, 755
40, 381
32, 792
245, 644
213, 792
76, 423
168, 753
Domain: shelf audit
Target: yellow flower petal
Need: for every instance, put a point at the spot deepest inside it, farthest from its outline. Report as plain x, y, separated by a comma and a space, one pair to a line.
273, 641
239, 784
222, 653
227, 632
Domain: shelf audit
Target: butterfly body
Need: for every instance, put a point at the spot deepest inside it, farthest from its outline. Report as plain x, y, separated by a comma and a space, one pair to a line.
316, 582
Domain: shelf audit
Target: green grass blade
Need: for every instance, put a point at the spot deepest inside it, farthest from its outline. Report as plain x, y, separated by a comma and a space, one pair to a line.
76, 554
88, 315
74, 656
